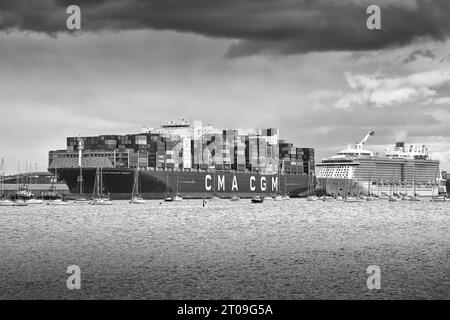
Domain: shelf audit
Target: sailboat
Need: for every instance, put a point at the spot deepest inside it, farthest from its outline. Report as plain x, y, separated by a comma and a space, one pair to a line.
370, 196
416, 196
394, 197
235, 198
285, 196
3, 201
438, 197
135, 197
167, 197
27, 181
81, 199
98, 198
311, 196
356, 197
381, 194
52, 194
328, 197
53, 198
405, 196
215, 198
177, 195
278, 197
22, 194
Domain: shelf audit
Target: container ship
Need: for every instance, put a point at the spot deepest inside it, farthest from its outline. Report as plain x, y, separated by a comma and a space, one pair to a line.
190, 159
404, 170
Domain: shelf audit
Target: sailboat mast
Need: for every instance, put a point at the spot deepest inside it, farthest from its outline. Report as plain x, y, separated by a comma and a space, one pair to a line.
2, 173
101, 181
136, 178
135, 190
94, 192
177, 181
405, 179
278, 181
167, 183
80, 163
345, 188
17, 177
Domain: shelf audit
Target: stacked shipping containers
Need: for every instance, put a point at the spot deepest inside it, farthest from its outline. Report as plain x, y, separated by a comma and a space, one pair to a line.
255, 151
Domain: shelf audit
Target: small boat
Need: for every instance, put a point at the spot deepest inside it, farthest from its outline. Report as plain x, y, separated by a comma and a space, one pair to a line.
82, 200
20, 203
177, 194
257, 199
440, 198
371, 198
57, 202
354, 199
268, 198
383, 196
415, 198
168, 199
278, 198
35, 201
312, 198
101, 202
135, 197
235, 198
339, 198
137, 200
286, 197
328, 199
6, 203
98, 198
394, 199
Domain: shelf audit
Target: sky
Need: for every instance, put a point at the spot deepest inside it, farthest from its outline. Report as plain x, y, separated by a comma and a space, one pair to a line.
311, 68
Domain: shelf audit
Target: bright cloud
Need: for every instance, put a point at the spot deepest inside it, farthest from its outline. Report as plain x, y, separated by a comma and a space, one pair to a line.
379, 91
443, 100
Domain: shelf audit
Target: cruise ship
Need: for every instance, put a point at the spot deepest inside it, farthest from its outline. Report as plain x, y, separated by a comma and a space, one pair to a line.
186, 159
403, 170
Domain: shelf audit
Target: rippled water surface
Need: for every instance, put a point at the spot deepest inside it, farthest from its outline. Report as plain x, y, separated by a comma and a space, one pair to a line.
280, 250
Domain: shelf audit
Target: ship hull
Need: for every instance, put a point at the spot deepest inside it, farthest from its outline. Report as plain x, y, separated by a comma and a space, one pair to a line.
376, 175
118, 183
352, 187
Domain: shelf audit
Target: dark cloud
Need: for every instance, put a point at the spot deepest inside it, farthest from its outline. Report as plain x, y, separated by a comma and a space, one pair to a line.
279, 26
414, 55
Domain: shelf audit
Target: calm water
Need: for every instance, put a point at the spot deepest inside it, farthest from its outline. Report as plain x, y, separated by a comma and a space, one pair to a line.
281, 250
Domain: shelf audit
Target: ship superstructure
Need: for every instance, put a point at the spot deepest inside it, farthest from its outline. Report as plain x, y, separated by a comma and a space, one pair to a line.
193, 158
406, 169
